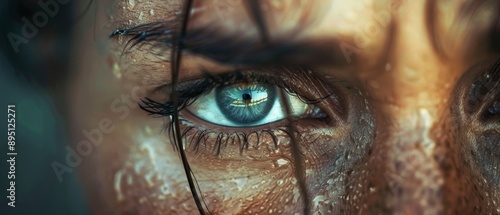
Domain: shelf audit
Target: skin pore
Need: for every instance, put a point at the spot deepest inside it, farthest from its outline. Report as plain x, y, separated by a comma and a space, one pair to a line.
397, 139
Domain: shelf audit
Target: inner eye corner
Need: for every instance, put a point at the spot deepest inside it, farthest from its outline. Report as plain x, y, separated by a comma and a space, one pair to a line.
486, 100
491, 114
482, 94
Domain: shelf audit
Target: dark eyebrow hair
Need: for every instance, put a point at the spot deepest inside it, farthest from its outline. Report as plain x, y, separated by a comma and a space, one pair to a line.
255, 12
468, 9
234, 49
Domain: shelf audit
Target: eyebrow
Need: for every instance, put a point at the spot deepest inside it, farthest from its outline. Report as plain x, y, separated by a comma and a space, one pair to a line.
234, 49
466, 12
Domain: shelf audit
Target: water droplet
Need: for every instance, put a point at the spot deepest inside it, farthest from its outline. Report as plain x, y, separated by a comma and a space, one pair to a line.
280, 182
131, 4
281, 162
387, 67
374, 84
372, 189
116, 71
147, 129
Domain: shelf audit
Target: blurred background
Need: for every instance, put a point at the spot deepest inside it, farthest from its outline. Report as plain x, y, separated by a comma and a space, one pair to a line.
34, 74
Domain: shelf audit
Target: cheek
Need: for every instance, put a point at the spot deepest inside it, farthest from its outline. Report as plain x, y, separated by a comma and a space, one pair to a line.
149, 179
257, 179
135, 171
338, 161
275, 192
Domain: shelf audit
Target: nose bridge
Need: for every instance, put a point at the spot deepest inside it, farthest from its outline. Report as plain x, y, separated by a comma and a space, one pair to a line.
420, 91
415, 177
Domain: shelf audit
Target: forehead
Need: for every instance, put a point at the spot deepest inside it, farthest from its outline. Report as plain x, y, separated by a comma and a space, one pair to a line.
285, 17
320, 16
366, 24
402, 37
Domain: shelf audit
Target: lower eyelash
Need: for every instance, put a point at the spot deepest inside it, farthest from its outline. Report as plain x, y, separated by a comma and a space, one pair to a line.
194, 137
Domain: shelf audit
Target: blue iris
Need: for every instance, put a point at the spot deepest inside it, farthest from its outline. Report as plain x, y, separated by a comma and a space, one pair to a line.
246, 103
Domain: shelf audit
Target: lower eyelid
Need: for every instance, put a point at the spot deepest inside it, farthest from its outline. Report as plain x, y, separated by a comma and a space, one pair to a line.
239, 140
195, 130
189, 119
269, 140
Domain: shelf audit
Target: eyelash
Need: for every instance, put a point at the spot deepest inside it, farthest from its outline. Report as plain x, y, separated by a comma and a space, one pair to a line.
201, 136
189, 91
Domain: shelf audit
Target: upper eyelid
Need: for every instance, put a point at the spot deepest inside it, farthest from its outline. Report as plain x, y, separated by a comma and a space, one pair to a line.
282, 79
261, 75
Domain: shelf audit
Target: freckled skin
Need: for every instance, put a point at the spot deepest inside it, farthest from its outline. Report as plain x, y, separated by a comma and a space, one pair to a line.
403, 146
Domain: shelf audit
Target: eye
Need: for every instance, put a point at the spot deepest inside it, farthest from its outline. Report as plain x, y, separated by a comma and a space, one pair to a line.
478, 118
246, 105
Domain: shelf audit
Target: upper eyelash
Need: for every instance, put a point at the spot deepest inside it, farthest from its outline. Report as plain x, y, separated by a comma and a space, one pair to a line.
188, 92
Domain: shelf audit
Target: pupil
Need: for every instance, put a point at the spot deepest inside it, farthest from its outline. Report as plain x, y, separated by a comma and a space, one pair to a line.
246, 97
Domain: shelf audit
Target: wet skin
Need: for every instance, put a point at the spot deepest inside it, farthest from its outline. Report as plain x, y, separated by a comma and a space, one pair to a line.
402, 136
